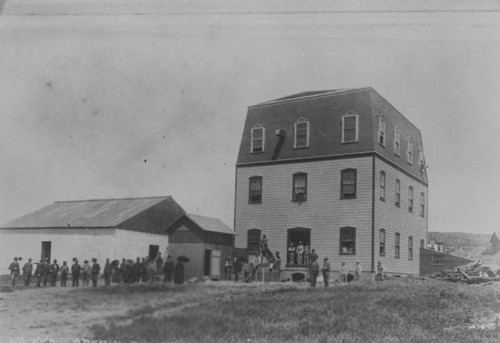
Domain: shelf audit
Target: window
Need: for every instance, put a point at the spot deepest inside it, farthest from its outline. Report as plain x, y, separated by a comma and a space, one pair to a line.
298, 247
347, 240
382, 242
350, 128
422, 243
348, 184
253, 241
382, 185
396, 146
410, 248
301, 134
381, 131
422, 204
397, 244
421, 159
397, 199
410, 199
257, 142
409, 151
299, 187
255, 190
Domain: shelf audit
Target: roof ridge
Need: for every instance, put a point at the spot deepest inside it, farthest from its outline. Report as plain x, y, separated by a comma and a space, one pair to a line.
109, 199
309, 95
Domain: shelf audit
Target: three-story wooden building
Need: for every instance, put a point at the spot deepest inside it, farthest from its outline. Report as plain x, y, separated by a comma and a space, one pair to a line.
339, 171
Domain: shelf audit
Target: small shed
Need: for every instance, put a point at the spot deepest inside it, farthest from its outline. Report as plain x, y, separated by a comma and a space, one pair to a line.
206, 241
432, 261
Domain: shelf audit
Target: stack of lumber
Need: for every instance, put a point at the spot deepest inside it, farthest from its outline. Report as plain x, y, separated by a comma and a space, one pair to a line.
473, 273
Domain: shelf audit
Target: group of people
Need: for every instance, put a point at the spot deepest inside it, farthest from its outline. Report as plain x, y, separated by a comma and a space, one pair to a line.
299, 254
128, 271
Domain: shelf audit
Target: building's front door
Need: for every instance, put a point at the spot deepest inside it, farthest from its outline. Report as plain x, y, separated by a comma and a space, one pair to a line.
215, 265
46, 250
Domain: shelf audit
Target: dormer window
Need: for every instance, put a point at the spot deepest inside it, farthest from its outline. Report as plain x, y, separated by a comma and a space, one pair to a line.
350, 128
258, 139
397, 143
381, 131
409, 151
421, 160
301, 134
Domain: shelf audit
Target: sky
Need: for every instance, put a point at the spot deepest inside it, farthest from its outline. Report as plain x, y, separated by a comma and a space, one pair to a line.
111, 106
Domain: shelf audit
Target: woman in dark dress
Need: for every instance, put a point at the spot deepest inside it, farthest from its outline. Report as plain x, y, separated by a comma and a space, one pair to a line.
179, 273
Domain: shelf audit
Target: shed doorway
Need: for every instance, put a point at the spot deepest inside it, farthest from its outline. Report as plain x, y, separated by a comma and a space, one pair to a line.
215, 263
207, 262
46, 250
153, 251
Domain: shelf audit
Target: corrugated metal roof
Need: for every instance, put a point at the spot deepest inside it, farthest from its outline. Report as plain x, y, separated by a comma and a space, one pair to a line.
85, 213
210, 224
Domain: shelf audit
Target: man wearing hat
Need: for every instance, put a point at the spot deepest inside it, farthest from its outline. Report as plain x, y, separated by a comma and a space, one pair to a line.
14, 271
96, 269
75, 273
27, 270
45, 271
53, 271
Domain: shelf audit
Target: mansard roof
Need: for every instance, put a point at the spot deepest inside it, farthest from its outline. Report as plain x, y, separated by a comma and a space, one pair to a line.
324, 110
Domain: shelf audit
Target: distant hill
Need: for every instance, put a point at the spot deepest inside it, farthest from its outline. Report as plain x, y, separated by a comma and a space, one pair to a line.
463, 244
460, 239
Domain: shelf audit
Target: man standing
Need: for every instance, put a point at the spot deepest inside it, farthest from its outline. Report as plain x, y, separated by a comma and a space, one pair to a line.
64, 274
45, 271
357, 272
38, 273
168, 268
227, 268
96, 269
237, 268
75, 273
343, 272
27, 270
313, 272
326, 271
14, 271
108, 271
53, 271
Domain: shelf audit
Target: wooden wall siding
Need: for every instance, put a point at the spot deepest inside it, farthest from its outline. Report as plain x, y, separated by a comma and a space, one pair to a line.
184, 234
219, 238
196, 254
226, 251
398, 219
66, 244
427, 265
323, 212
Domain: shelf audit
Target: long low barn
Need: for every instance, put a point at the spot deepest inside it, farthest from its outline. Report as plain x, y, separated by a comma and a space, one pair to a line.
115, 229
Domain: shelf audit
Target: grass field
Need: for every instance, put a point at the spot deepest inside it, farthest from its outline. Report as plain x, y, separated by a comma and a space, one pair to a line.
386, 312
390, 311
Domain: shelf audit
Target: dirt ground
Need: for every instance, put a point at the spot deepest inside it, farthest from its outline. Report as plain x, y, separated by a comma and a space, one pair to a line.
65, 314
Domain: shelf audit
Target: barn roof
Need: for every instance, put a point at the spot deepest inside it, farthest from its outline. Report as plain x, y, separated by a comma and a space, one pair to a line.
87, 213
210, 224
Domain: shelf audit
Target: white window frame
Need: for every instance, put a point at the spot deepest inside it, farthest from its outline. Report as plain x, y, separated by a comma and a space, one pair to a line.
381, 131
301, 121
397, 142
409, 151
357, 128
258, 127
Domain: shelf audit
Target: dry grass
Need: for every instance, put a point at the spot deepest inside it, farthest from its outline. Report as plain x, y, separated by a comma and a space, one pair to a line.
387, 312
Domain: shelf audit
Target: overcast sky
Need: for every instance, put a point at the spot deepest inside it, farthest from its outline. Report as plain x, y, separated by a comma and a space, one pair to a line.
129, 106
